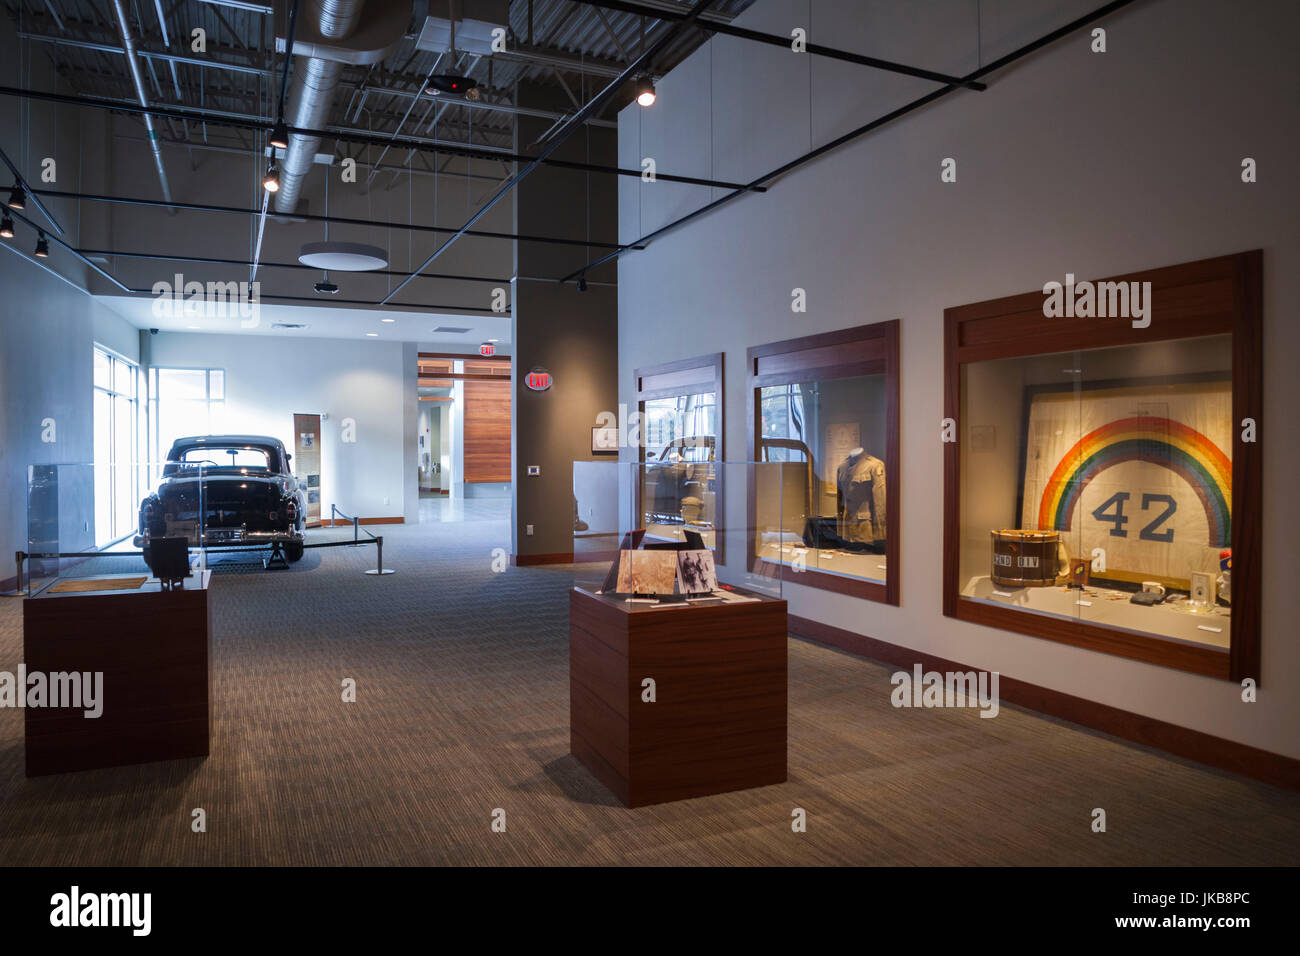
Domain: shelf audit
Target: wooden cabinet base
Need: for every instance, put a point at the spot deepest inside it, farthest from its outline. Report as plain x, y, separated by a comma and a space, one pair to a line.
718, 720
153, 649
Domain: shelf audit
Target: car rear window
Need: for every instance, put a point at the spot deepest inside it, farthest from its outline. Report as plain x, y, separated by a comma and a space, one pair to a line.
228, 457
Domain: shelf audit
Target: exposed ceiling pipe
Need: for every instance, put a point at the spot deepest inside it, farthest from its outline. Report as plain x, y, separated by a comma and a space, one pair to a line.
133, 67
309, 103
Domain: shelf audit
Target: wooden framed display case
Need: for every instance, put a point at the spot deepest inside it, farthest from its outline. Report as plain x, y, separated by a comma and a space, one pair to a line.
1103, 444
827, 406
680, 414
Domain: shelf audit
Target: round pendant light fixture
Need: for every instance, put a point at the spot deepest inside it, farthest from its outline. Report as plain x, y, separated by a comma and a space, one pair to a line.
334, 256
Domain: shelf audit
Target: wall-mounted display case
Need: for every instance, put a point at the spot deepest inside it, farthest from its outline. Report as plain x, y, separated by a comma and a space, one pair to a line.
1102, 472
826, 408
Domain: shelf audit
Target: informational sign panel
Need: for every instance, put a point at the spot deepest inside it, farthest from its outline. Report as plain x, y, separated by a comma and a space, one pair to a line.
306, 462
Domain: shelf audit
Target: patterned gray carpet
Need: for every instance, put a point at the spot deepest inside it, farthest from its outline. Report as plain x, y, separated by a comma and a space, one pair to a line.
462, 678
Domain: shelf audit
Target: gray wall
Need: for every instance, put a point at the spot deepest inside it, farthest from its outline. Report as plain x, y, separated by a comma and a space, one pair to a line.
572, 334
1096, 164
48, 327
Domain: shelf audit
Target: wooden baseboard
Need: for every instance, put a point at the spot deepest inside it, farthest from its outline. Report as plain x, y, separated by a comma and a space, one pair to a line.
328, 523
1272, 768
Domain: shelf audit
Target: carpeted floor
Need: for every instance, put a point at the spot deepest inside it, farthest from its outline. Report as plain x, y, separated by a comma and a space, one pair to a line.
462, 678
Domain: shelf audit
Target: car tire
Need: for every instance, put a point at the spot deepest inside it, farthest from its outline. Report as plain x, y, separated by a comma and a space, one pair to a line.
293, 551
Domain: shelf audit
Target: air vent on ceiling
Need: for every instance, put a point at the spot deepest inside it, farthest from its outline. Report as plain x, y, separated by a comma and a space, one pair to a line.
475, 21
288, 325
450, 329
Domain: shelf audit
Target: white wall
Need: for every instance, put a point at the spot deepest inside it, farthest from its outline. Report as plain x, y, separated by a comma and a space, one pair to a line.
269, 379
1096, 164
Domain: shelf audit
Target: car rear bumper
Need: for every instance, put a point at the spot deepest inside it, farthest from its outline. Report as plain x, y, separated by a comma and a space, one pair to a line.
219, 537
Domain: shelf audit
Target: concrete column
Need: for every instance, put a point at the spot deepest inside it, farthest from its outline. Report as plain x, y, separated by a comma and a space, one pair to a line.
572, 334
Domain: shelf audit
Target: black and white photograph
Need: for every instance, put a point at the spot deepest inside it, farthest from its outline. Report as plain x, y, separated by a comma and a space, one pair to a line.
695, 572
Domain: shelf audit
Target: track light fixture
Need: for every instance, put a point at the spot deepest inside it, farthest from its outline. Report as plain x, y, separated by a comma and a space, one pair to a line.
582, 283
17, 197
42, 247
7, 227
280, 136
271, 182
325, 287
645, 91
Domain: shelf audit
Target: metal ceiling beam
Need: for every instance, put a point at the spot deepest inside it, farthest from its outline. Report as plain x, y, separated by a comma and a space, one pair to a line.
536, 56
321, 300
370, 139
816, 49
207, 64
308, 217
497, 107
36, 200
171, 257
244, 5
575, 122
64, 245
852, 135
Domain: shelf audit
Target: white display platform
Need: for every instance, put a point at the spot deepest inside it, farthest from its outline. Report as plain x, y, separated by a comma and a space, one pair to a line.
1180, 621
868, 567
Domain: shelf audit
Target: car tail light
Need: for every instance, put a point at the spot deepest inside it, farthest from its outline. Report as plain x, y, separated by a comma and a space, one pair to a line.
291, 509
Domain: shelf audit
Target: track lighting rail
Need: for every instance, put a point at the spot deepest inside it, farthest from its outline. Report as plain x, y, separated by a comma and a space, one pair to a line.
816, 49
852, 135
356, 136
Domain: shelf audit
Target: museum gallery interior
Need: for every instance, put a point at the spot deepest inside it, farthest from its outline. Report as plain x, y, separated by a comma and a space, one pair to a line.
664, 432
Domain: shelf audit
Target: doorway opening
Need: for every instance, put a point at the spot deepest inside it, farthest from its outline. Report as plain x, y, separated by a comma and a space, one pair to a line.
463, 437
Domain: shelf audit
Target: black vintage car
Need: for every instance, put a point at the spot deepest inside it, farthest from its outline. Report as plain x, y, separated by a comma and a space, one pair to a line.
220, 490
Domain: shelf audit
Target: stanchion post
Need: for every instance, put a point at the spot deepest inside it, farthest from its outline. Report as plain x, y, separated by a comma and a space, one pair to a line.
379, 548
356, 533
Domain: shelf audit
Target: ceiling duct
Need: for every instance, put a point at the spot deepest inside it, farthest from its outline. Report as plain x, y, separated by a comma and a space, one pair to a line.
137, 81
475, 20
333, 35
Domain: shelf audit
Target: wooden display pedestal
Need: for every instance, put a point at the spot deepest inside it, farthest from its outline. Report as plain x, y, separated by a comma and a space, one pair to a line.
153, 648
719, 719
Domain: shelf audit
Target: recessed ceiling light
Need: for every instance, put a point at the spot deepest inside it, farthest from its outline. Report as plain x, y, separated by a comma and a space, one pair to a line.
387, 320
191, 326
373, 335
494, 340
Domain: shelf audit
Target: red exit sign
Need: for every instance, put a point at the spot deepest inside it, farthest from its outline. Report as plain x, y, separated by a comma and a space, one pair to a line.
487, 348
539, 380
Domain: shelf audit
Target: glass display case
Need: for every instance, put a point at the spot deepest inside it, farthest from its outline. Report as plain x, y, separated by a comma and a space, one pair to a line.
1095, 492
609, 516
680, 418
825, 408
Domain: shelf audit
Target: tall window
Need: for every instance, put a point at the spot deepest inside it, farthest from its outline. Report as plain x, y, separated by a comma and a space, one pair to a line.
184, 401
115, 425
